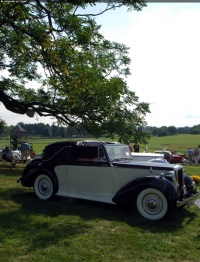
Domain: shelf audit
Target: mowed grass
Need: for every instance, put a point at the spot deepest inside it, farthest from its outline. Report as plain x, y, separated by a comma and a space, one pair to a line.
178, 143
65, 229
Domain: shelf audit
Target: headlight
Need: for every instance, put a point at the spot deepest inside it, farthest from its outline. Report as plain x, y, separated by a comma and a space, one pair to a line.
170, 176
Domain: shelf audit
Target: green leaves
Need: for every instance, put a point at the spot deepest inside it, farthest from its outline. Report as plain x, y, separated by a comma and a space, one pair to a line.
80, 75
2, 124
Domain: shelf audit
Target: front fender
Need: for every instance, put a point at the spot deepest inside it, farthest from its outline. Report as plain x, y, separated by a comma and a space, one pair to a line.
130, 191
190, 185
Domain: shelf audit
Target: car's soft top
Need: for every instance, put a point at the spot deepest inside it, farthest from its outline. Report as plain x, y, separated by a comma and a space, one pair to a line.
54, 148
57, 147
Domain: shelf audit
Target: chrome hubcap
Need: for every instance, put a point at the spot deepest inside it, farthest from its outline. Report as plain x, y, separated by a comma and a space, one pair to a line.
44, 187
152, 204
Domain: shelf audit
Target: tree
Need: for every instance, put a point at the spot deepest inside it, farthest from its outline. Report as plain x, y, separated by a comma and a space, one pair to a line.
69, 131
183, 130
55, 130
2, 123
83, 80
171, 130
46, 131
62, 132
195, 130
155, 131
162, 131
4, 129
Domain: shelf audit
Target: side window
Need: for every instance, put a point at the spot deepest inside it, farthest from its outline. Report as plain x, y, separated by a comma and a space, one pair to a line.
101, 155
90, 154
86, 154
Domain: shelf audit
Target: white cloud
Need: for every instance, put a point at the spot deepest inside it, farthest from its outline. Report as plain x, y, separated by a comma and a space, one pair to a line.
164, 48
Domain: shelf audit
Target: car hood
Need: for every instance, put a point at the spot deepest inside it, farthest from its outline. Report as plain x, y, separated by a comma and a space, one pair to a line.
145, 164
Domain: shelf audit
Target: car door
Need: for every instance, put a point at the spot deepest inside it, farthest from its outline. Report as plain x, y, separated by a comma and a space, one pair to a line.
90, 174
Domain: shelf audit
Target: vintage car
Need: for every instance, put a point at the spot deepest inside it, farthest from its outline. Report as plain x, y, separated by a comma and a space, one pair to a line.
146, 156
171, 157
105, 172
17, 154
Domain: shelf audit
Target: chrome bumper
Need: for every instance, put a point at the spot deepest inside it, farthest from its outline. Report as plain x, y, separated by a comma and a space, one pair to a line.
187, 200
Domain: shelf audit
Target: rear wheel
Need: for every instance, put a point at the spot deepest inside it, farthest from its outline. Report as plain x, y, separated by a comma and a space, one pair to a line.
43, 187
152, 204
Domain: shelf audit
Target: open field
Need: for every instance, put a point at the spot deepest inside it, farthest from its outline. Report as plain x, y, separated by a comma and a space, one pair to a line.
65, 229
178, 143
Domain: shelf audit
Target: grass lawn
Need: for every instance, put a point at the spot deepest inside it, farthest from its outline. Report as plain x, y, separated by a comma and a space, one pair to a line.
178, 143
65, 229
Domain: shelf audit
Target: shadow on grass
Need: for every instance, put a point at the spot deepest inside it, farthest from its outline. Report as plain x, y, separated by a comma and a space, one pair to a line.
91, 210
39, 224
8, 170
45, 223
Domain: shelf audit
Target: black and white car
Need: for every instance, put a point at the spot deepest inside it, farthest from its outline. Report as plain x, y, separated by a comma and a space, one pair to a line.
106, 172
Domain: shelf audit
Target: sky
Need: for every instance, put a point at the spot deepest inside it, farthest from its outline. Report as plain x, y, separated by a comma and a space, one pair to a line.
164, 42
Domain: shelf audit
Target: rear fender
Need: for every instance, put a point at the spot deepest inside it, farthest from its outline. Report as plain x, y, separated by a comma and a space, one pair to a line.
129, 192
29, 179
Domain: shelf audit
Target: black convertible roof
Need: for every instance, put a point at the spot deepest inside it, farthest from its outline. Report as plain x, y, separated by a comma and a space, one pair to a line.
58, 148
59, 145
54, 148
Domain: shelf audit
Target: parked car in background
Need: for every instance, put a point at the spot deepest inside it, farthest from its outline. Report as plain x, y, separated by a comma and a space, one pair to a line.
106, 172
146, 156
17, 154
170, 157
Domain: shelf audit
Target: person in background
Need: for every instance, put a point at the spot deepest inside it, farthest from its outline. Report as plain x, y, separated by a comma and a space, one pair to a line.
171, 161
196, 156
128, 143
136, 148
33, 155
7, 154
145, 149
25, 147
190, 155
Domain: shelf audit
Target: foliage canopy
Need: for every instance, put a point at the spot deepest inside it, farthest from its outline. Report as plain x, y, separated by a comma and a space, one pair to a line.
74, 74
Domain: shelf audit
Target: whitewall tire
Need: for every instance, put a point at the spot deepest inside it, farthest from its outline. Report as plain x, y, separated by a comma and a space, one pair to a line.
43, 187
152, 204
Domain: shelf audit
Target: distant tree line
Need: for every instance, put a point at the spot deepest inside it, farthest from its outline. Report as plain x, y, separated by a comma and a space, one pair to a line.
171, 130
45, 130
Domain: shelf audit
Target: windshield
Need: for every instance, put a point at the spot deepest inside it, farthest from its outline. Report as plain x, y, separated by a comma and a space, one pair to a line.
118, 152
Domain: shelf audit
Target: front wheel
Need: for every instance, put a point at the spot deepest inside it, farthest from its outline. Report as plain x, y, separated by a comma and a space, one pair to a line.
152, 204
43, 187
